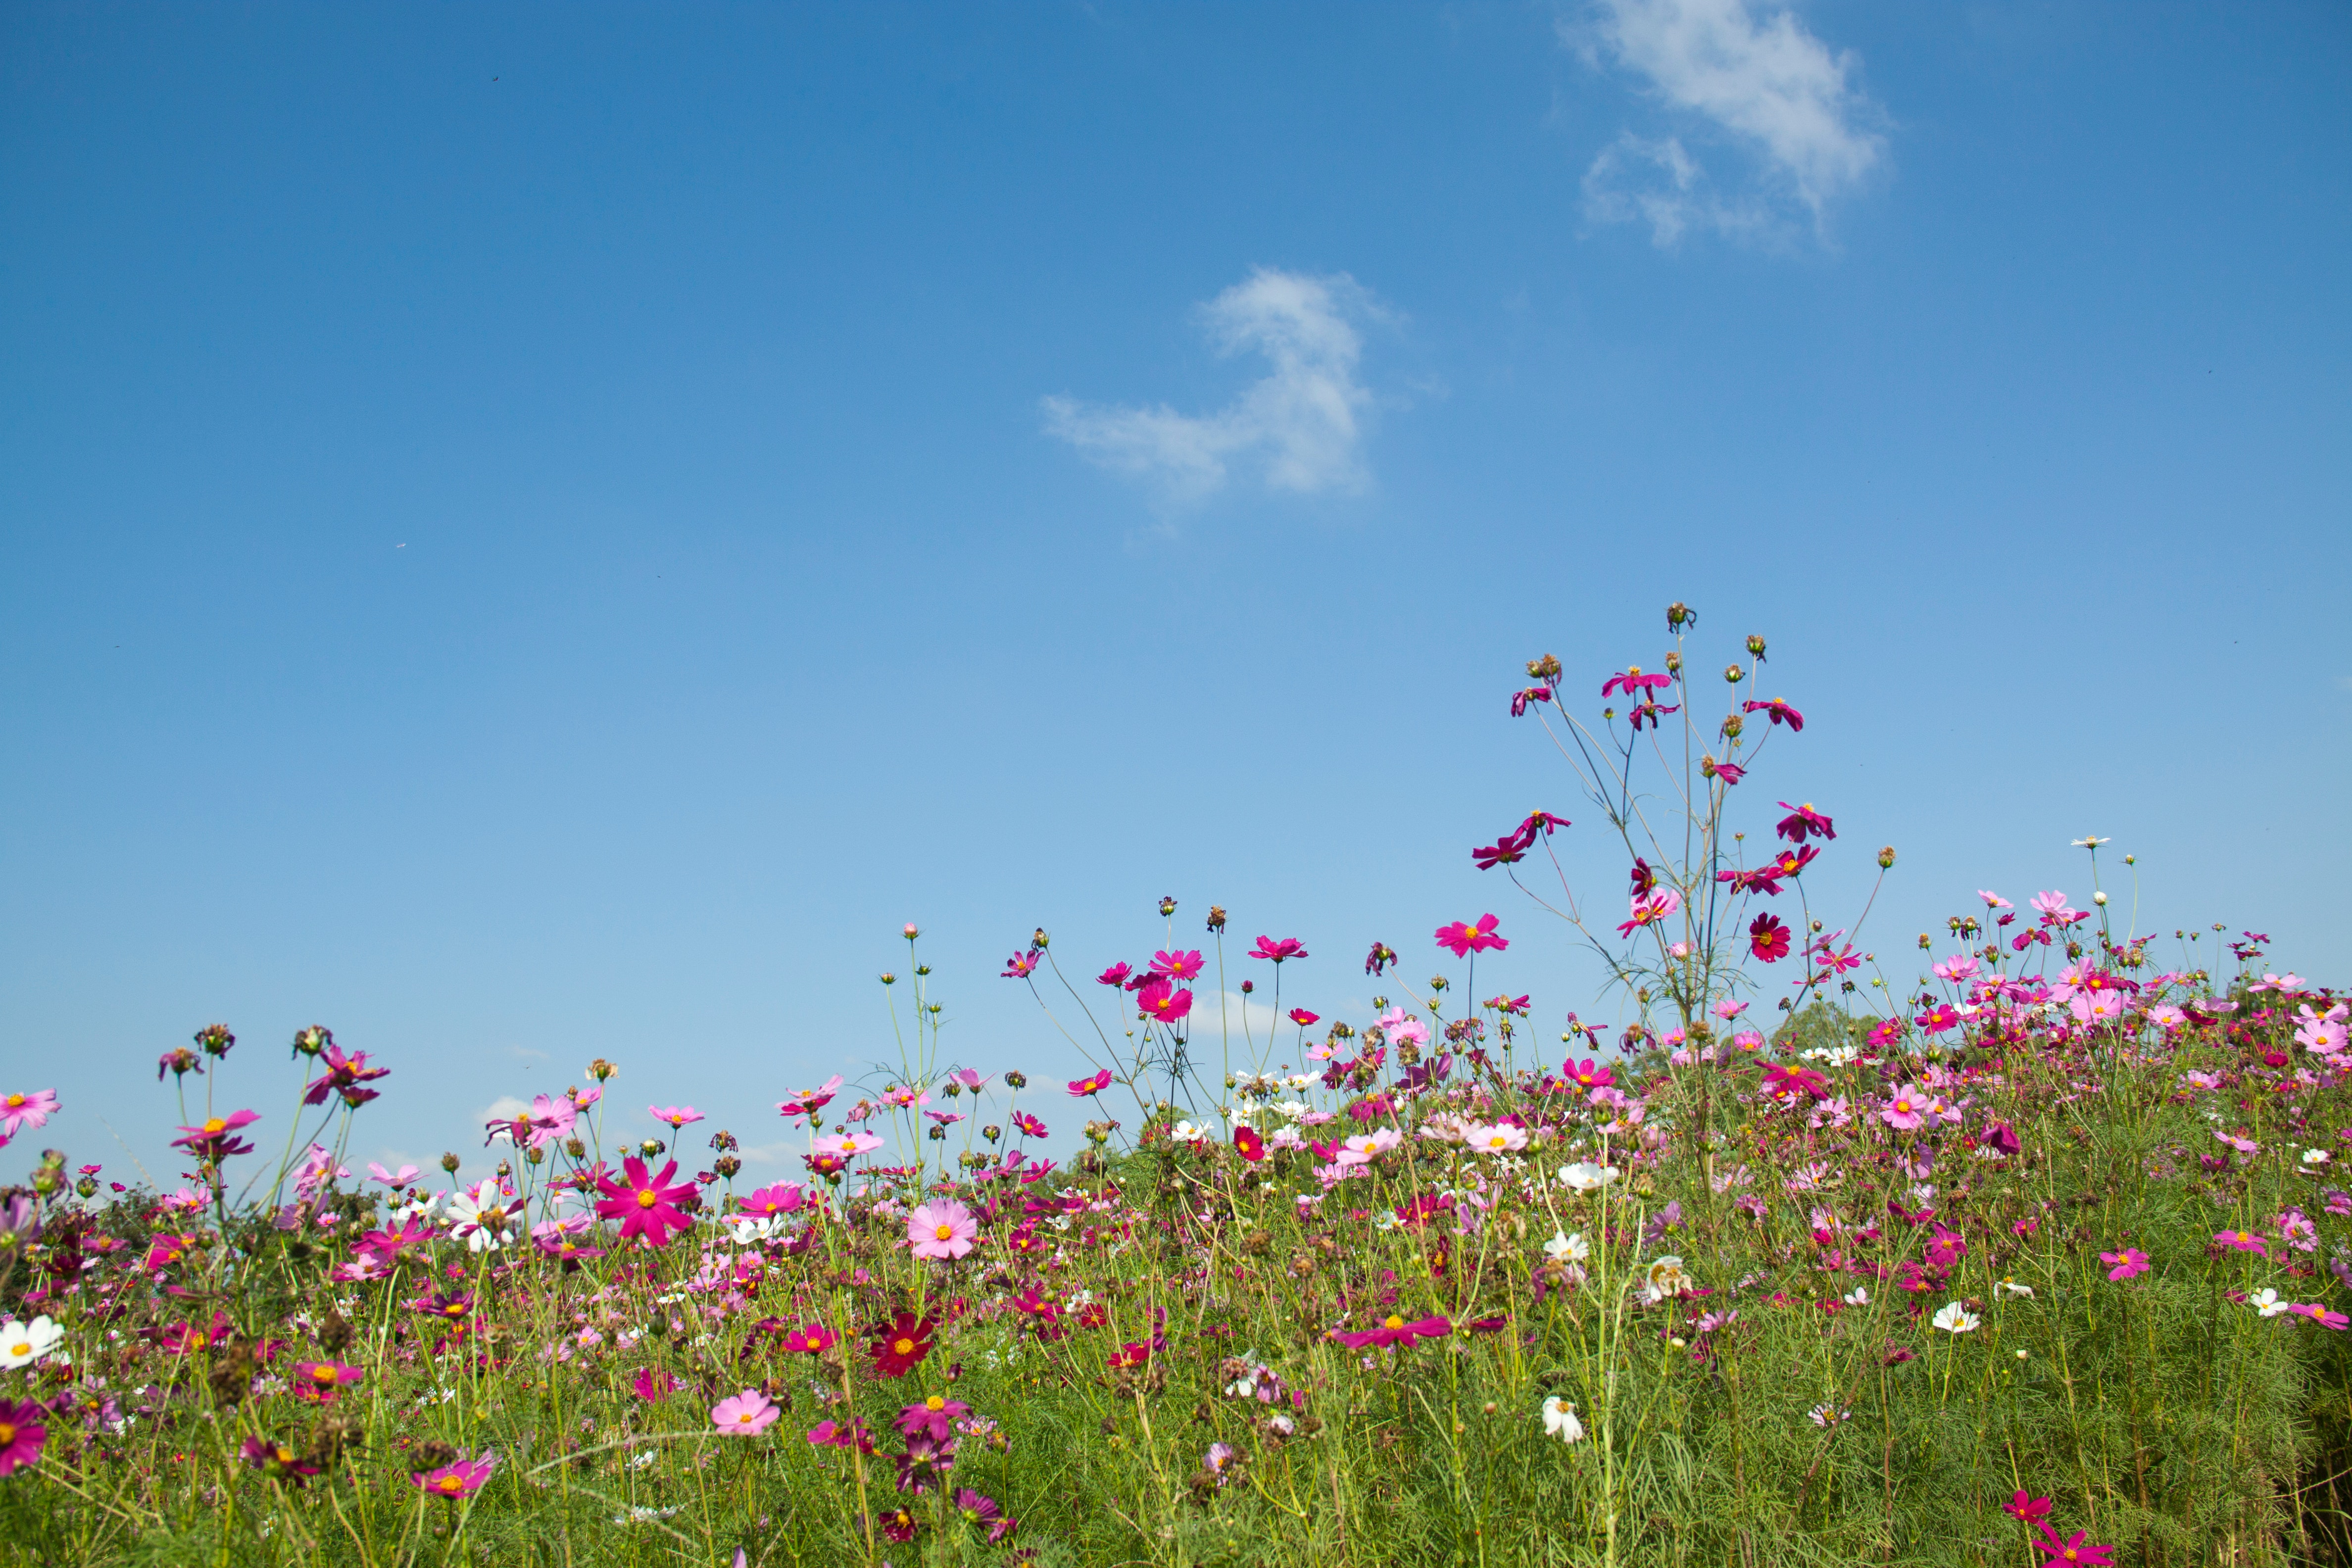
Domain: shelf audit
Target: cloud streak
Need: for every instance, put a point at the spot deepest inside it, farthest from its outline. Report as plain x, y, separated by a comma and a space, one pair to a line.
1297, 428
1769, 84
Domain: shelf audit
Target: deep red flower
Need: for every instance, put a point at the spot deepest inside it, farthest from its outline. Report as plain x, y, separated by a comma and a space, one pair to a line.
1502, 852
1803, 820
1289, 947
1114, 976
1129, 1355
1464, 937
1767, 938
1252, 1146
899, 1348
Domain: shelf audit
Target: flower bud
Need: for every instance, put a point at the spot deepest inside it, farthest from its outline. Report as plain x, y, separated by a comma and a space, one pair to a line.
1733, 674
309, 1042
1037, 940
535, 1155
450, 1162
991, 1133
575, 1148
889, 978
909, 931
650, 1147
1755, 647
933, 1009
2098, 897
1680, 616
1166, 908
1925, 941
1732, 725
1248, 986
921, 970
1886, 858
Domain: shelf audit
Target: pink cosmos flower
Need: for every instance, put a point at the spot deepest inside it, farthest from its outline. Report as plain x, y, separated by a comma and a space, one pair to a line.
1159, 1000
2025, 1510
1027, 1125
1995, 901
646, 1205
809, 1101
2053, 907
344, 1075
1176, 965
1395, 1331
934, 1417
1464, 937
1803, 820
653, 1385
1587, 1074
1082, 1087
1500, 1139
457, 1482
2242, 1241
1905, 1109
768, 1202
2129, 1264
849, 1145
1114, 976
940, 1229
18, 1112
811, 1338
2322, 1034
2319, 1314
1651, 907
22, 1435
1302, 1017
322, 1380
400, 1178
746, 1415
677, 1116
1289, 947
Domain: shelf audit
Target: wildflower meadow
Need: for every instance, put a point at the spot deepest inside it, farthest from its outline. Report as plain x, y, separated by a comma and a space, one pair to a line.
2020, 1240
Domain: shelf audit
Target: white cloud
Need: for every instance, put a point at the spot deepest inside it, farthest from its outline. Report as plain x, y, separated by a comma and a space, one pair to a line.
1772, 85
1300, 426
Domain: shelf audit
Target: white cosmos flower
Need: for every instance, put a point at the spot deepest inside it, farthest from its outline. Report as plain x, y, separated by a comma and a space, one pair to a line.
22, 1343
1955, 1319
1858, 1297
2011, 1288
1585, 1176
2268, 1304
1560, 1420
1567, 1249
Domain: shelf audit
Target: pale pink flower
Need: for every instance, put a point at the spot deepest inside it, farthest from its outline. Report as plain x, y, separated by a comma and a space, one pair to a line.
18, 1112
940, 1229
848, 1145
1905, 1108
746, 1415
1500, 1139
1993, 901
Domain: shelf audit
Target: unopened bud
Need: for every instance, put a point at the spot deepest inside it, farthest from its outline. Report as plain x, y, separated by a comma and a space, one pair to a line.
650, 1147
1248, 986
1925, 941
910, 932
1733, 674
1755, 647
535, 1155
450, 1162
2098, 897
1037, 939
889, 978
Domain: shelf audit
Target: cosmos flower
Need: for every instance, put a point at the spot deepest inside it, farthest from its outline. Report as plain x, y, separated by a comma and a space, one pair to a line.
1502, 1138
1289, 947
274, 1458
811, 1338
901, 1346
2129, 1264
2071, 1553
677, 1116
809, 1101
1159, 1000
323, 1379
1767, 938
1252, 1146
746, 1415
1176, 965
1955, 1319
18, 1112
1082, 1087
1464, 937
1560, 1420
21, 1343
943, 1229
2027, 1510
1303, 1018
646, 1205
2243, 1241
1780, 712
216, 1139
1393, 1331
1116, 975
457, 1482
1801, 821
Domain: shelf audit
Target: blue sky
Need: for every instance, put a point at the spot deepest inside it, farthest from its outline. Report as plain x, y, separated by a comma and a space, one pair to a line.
534, 533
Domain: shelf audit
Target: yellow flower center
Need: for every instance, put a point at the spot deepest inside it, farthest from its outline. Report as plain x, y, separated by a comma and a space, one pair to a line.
649, 1198
284, 1454
936, 1402
903, 1347
22, 1348
945, 1233
216, 1125
1394, 1321
451, 1485
745, 1418
15, 1100
324, 1373
7, 1433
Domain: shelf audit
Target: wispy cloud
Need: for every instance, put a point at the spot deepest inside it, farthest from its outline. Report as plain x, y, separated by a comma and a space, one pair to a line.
1299, 428
1774, 87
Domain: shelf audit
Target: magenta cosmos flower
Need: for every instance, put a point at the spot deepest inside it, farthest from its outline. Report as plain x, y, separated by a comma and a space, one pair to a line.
21, 1434
216, 1139
1767, 938
2243, 1241
18, 1112
1159, 1000
1176, 965
2073, 1551
2129, 1264
1464, 937
1395, 1331
746, 1415
1082, 1087
1803, 820
1289, 947
941, 1229
457, 1482
645, 1204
